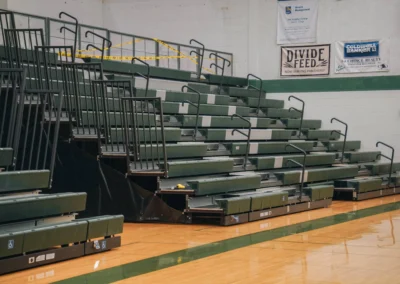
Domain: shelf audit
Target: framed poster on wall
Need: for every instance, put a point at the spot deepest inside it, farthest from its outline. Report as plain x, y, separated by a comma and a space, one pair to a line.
308, 60
297, 21
362, 56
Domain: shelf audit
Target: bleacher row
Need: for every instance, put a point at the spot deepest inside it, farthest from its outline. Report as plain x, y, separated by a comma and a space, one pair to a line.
217, 154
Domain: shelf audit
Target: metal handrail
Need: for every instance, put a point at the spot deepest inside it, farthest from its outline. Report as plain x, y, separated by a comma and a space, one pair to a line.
48, 21
340, 133
147, 76
103, 44
255, 88
224, 60
71, 31
389, 158
303, 166
196, 106
301, 111
244, 134
199, 54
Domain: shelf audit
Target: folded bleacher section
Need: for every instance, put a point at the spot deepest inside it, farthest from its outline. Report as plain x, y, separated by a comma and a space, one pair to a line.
37, 226
157, 144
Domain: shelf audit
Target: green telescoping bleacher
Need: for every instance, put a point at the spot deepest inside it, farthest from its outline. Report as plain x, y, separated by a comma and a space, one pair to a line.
231, 151
38, 227
215, 149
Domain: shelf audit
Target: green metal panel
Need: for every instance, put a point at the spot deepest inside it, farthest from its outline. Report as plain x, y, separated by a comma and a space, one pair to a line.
28, 55
179, 150
177, 108
225, 184
361, 184
264, 103
280, 113
222, 121
321, 135
171, 96
338, 145
239, 148
318, 192
362, 157
227, 80
268, 200
11, 243
243, 92
382, 168
234, 205
171, 135
30, 207
155, 72
44, 237
203, 88
6, 156
263, 163
293, 177
307, 123
24, 180
198, 167
115, 225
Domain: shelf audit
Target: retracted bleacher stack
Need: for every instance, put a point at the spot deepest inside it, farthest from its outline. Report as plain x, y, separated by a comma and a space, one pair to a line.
38, 226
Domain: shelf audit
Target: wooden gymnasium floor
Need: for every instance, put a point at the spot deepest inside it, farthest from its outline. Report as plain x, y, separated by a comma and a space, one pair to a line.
350, 242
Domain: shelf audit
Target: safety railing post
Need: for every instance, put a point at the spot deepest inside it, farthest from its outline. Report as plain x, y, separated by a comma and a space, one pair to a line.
389, 158
340, 133
303, 166
248, 135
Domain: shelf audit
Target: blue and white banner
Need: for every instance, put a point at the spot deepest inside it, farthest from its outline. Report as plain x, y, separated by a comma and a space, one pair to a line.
297, 21
362, 56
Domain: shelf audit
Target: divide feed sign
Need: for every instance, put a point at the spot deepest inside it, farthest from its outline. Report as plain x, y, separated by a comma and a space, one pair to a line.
297, 21
310, 60
362, 56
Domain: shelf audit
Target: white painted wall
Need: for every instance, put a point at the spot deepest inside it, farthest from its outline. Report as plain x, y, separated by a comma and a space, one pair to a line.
248, 27
371, 115
87, 11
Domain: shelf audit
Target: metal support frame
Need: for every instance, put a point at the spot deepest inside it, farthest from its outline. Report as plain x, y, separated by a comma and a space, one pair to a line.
7, 21
144, 76
255, 88
389, 158
224, 60
12, 96
248, 135
300, 111
340, 133
107, 105
103, 46
197, 106
134, 135
303, 165
75, 32
79, 95
200, 55
41, 124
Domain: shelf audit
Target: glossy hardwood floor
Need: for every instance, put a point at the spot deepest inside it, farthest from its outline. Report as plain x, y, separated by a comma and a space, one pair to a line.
327, 254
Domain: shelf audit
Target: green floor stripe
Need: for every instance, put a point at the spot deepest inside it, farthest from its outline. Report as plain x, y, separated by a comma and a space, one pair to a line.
152, 264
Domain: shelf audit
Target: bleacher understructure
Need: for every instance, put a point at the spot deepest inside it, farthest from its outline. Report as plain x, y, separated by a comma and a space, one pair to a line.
107, 138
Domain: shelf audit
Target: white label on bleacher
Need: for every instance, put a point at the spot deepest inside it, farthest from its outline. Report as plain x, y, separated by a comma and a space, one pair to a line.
253, 148
253, 121
278, 162
184, 109
305, 176
267, 135
231, 110
206, 121
161, 94
211, 99
50, 256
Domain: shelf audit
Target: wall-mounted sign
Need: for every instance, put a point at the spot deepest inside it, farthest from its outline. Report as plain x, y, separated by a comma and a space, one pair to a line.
297, 21
362, 56
310, 60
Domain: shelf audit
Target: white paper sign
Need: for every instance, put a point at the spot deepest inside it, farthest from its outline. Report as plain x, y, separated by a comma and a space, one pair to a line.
362, 56
310, 60
297, 21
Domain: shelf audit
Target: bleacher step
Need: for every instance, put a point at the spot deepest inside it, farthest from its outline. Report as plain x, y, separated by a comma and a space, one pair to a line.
225, 184
277, 162
198, 167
